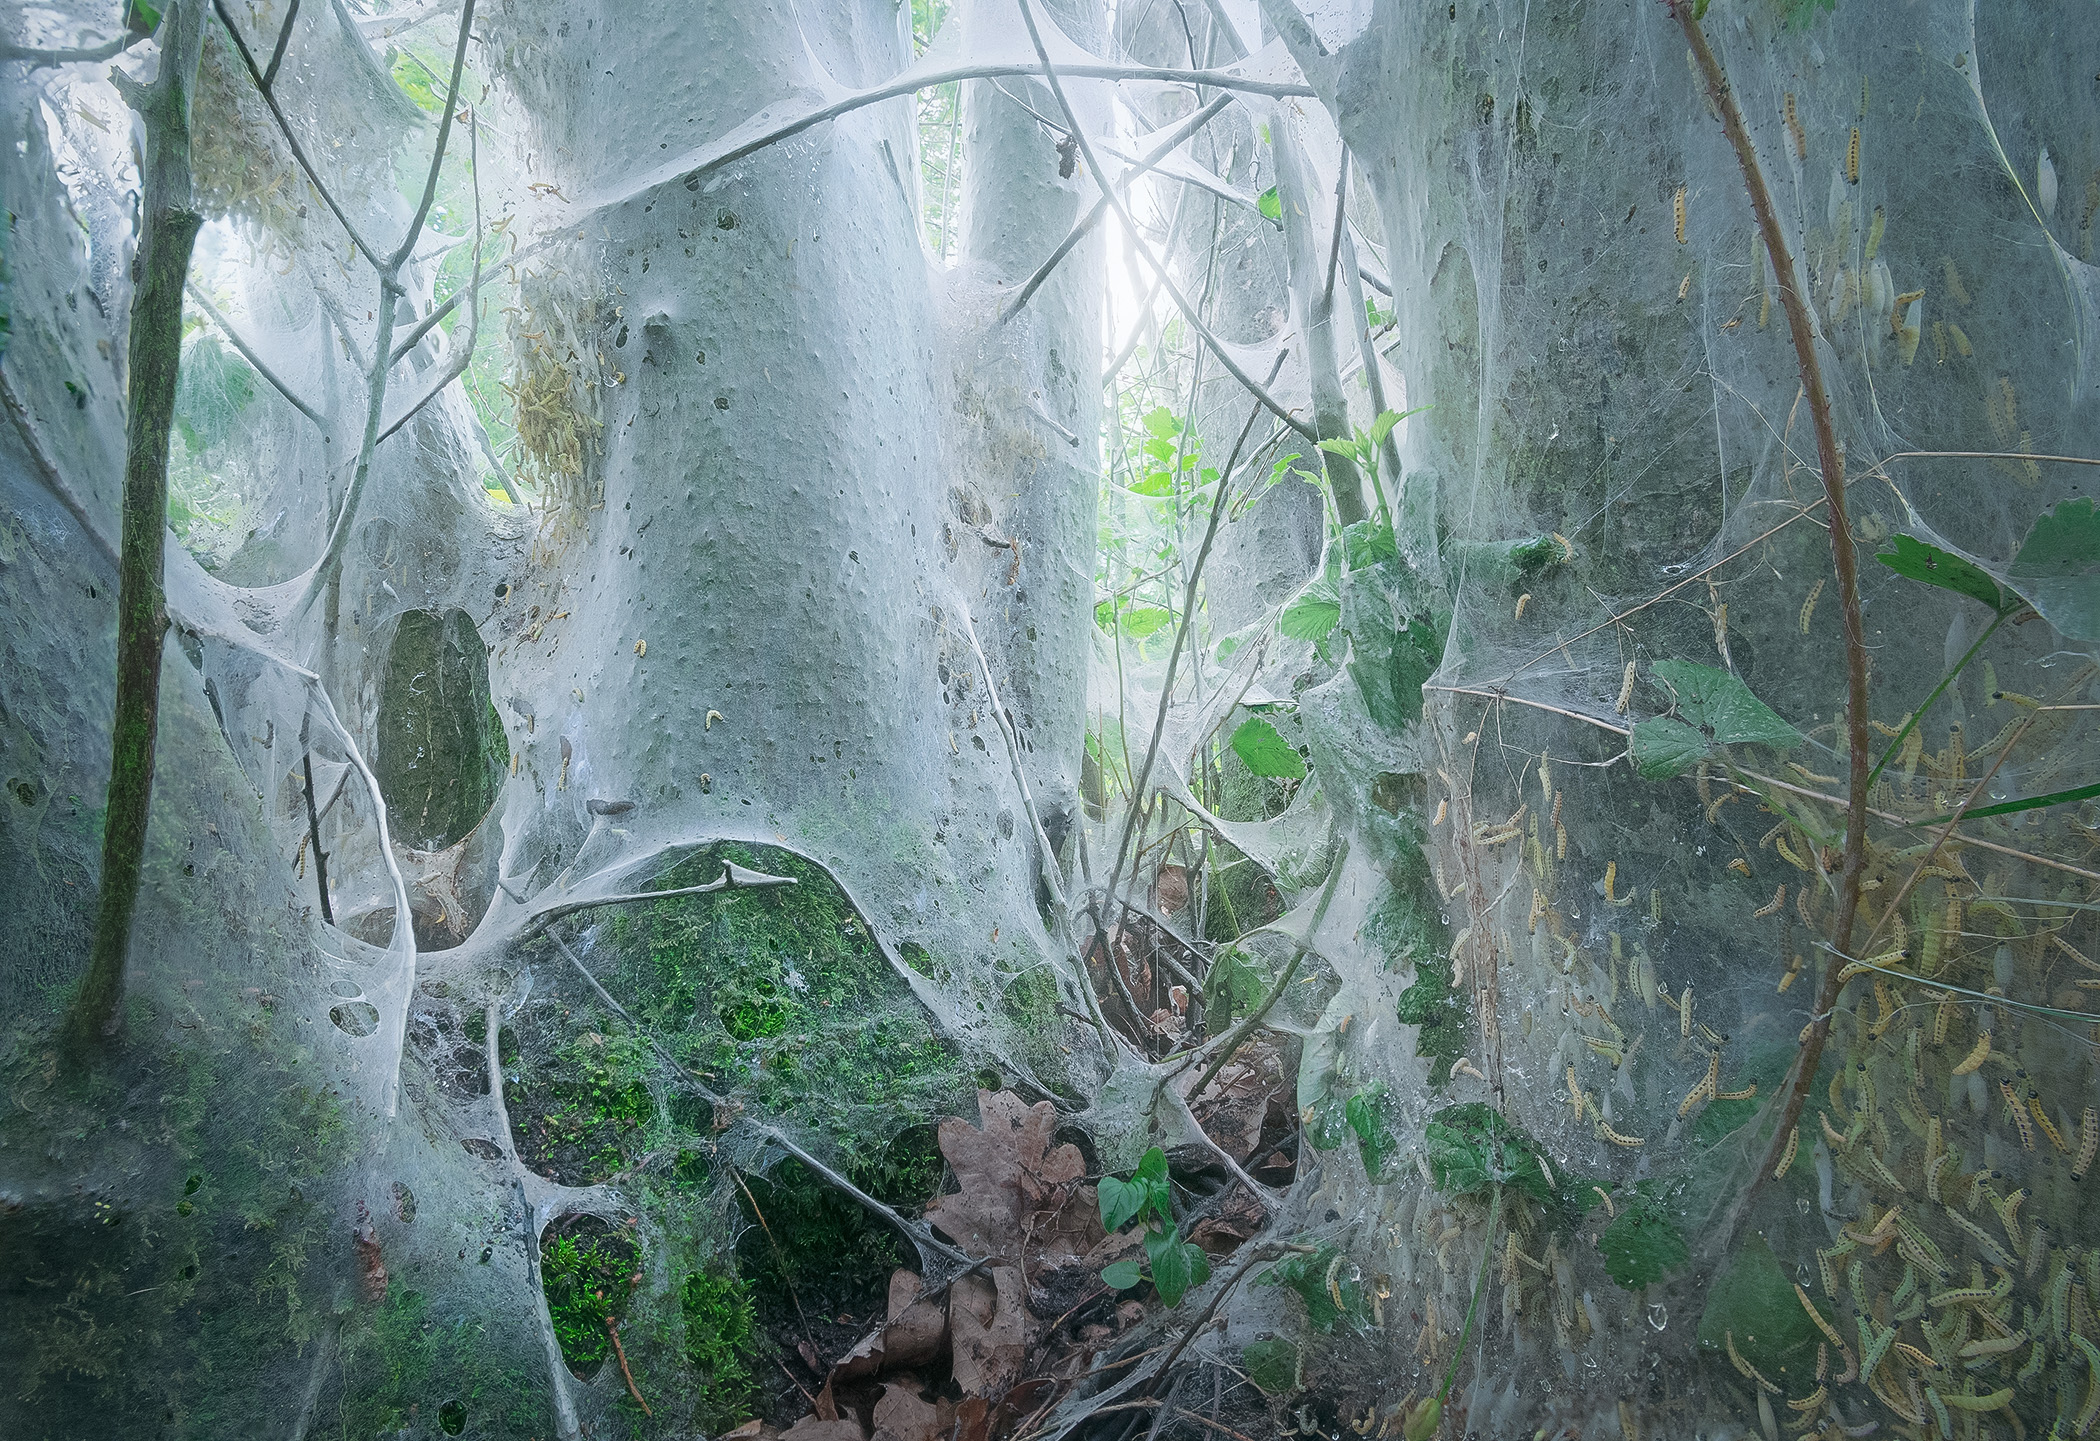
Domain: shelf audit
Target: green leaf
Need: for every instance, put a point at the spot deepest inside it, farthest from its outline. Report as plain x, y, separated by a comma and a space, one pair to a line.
1120, 1201
1227, 646
1272, 1365
1753, 1303
1271, 205
1152, 1166
1154, 482
1141, 621
1720, 704
1344, 448
1319, 1276
1930, 565
1176, 1264
1368, 1113
1666, 747
1161, 422
1642, 1245
1369, 543
1390, 666
1316, 611
1159, 448
1383, 426
141, 17
2058, 568
1121, 1275
1473, 1146
1265, 752
2031, 803
1328, 1124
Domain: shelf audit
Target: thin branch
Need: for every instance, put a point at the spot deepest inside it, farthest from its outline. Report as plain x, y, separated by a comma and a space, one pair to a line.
461, 355
1046, 854
1181, 636
78, 55
1341, 220
437, 152
1086, 223
1188, 312
284, 39
1229, 1046
706, 159
284, 127
1859, 745
248, 354
732, 878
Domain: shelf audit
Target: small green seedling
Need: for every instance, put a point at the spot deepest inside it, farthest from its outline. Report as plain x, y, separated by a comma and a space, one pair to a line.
1174, 1265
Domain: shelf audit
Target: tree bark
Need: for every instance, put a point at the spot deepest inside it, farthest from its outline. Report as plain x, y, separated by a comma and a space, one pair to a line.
155, 357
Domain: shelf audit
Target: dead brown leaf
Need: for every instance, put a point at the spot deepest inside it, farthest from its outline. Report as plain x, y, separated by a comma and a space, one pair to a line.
902, 1415
1022, 1199
990, 1328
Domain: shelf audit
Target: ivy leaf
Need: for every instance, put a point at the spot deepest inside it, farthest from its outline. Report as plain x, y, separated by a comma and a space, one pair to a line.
1176, 1265
1930, 565
1316, 611
1120, 1201
1642, 1246
1720, 704
2058, 568
1664, 747
1271, 205
1265, 752
1121, 1275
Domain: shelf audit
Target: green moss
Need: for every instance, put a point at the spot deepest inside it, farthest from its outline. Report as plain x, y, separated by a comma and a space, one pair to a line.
409, 1354
441, 751
784, 999
722, 1345
587, 1269
808, 1241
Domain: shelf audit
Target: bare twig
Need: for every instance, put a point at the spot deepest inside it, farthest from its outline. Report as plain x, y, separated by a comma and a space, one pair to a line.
74, 55
612, 1329
1859, 746
1046, 855
284, 39
284, 127
1108, 191
1181, 636
1230, 1043
248, 354
390, 295
1084, 226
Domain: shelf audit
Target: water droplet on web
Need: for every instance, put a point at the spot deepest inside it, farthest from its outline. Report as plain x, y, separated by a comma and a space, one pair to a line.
1658, 1315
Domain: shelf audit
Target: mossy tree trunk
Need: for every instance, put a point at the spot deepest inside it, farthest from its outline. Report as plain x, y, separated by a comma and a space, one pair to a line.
170, 228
